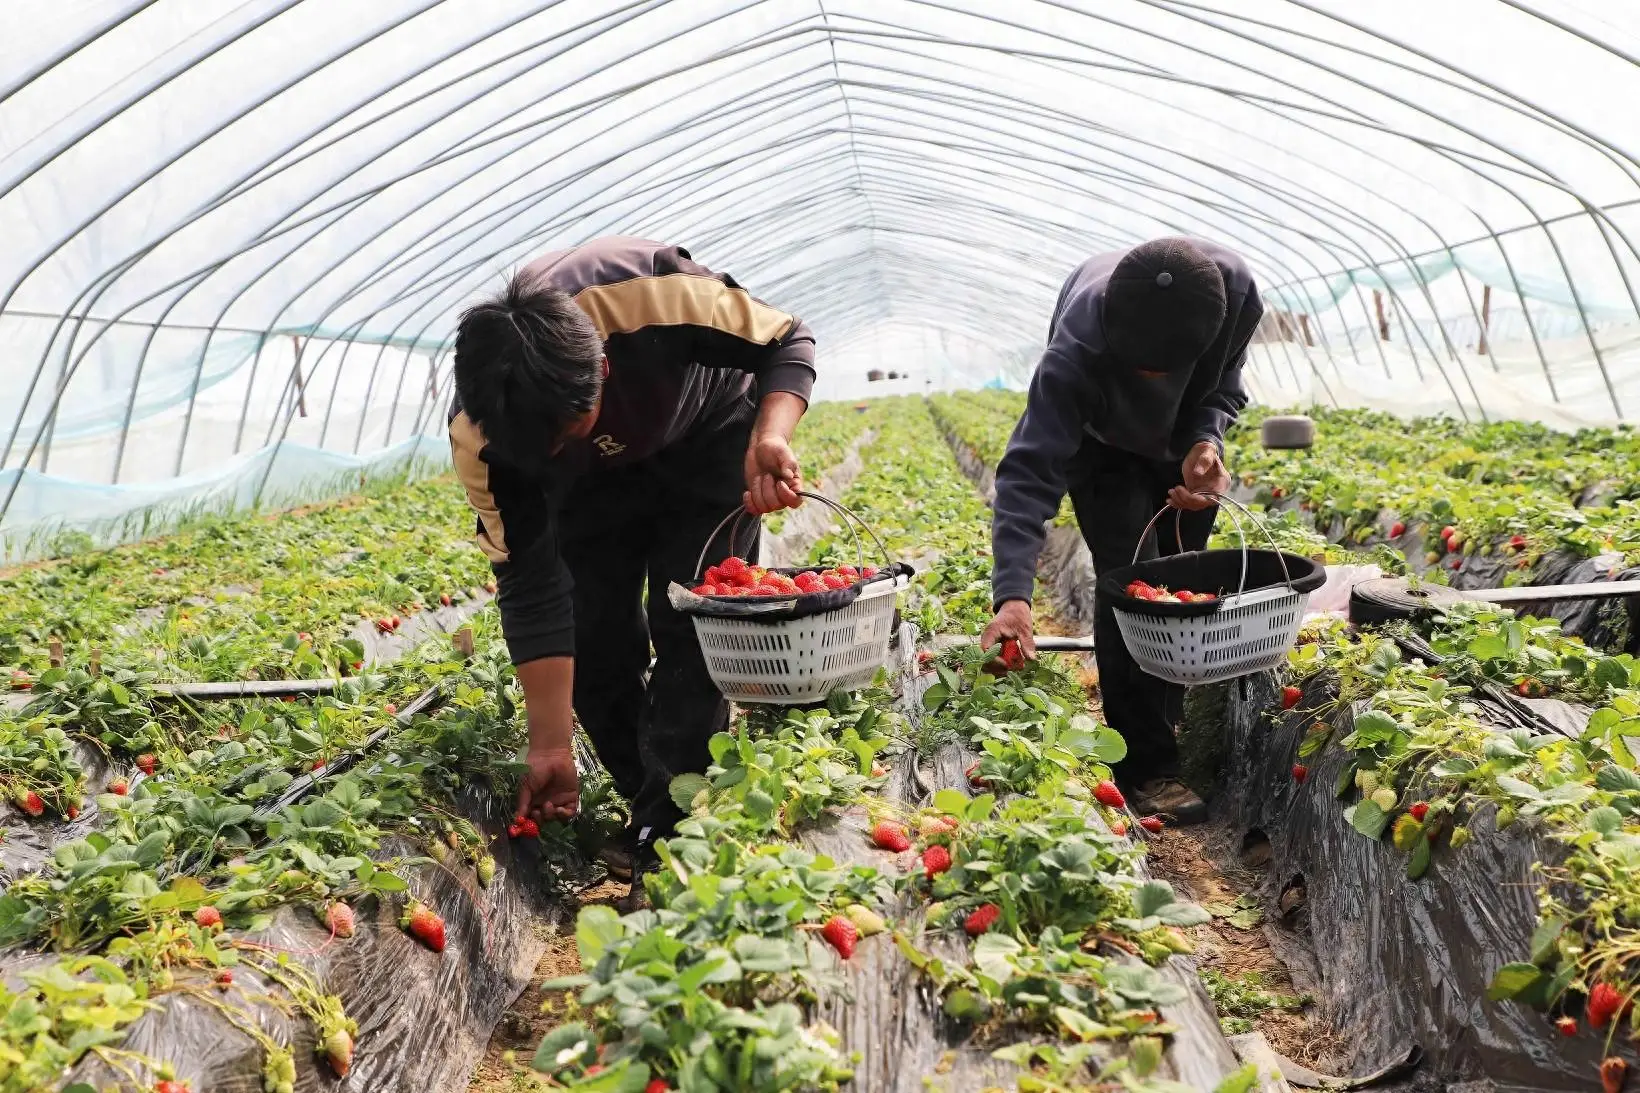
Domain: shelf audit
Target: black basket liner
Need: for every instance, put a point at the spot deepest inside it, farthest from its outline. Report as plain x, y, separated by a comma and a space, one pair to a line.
1215, 571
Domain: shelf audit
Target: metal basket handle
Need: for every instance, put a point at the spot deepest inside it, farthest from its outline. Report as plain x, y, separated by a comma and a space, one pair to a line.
850, 518
1178, 531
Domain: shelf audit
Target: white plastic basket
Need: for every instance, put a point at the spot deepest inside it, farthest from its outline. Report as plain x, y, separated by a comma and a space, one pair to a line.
798, 661
1247, 632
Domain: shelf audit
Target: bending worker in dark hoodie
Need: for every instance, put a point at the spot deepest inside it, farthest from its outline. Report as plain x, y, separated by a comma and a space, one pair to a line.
1127, 413
613, 403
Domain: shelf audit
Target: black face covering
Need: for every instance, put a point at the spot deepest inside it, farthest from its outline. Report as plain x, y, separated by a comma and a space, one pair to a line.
1138, 412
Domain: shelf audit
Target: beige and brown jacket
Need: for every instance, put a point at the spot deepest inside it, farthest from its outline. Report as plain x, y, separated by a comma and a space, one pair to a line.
688, 349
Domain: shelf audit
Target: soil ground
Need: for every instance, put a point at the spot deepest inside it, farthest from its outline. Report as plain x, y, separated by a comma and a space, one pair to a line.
506, 1064
1208, 865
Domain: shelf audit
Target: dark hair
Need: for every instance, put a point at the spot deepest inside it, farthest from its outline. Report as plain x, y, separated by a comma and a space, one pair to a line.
527, 363
1164, 305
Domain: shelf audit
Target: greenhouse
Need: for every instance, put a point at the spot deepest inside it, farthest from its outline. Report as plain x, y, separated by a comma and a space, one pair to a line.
819, 545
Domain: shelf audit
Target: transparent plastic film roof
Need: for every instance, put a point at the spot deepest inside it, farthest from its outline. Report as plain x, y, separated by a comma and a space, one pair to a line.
237, 235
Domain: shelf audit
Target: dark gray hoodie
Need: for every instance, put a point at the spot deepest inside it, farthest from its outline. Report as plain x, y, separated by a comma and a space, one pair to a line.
1081, 392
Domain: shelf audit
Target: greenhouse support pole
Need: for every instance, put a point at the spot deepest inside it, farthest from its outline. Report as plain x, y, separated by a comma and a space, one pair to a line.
1383, 320
1486, 322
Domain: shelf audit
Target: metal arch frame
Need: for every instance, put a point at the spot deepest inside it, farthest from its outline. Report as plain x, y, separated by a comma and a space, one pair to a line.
340, 209
220, 199
1431, 145
114, 273
1142, 73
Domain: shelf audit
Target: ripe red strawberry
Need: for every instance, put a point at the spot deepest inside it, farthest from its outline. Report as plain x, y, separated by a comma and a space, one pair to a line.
705, 590
1418, 810
841, 934
1152, 824
1107, 794
1397, 530
166, 1085
339, 917
224, 978
389, 709
1277, 493
74, 812
21, 680
358, 665
1517, 541
395, 622
1448, 532
925, 658
147, 763
208, 918
1604, 1002
835, 580
657, 1085
1013, 658
489, 586
888, 835
981, 918
1567, 1026
304, 636
119, 787
31, 803
1119, 829
338, 1049
1290, 696
383, 626
974, 778
732, 567
527, 828
936, 860
319, 764
425, 926
868, 572
1300, 773
444, 599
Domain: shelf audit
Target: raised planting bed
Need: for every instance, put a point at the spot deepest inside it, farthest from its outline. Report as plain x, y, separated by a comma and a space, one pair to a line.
1457, 806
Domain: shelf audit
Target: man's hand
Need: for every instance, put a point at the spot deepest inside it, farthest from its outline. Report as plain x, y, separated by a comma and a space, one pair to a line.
1204, 474
1013, 620
551, 788
772, 475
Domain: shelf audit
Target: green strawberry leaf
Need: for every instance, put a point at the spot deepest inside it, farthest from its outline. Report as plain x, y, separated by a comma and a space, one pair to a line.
1544, 939
1419, 862
1513, 980
684, 789
1368, 819
562, 1046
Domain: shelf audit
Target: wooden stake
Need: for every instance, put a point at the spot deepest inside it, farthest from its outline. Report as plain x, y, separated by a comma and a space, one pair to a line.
1486, 318
96, 661
463, 641
1383, 317
54, 649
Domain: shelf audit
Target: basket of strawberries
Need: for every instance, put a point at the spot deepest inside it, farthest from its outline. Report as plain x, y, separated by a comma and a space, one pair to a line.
789, 636
1205, 616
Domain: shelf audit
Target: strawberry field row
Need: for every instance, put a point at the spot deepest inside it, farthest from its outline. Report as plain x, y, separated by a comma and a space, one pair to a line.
824, 840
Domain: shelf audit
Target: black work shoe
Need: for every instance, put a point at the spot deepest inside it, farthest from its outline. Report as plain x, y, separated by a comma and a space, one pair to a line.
617, 859
1170, 799
644, 862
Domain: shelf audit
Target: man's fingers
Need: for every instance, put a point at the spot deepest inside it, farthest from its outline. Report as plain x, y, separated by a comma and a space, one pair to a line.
786, 494
523, 801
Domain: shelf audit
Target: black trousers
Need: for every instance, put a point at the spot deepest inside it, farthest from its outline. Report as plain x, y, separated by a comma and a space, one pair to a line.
630, 529
1115, 493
